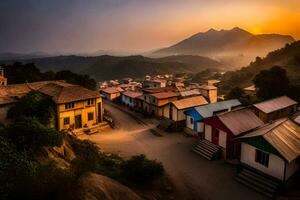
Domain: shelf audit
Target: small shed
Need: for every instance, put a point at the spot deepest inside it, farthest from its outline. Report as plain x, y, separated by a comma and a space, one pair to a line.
273, 149
275, 108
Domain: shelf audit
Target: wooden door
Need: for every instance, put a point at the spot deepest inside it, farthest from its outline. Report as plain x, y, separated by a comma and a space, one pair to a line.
215, 136
78, 121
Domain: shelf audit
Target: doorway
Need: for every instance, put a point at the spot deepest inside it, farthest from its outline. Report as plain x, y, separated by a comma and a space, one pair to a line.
78, 121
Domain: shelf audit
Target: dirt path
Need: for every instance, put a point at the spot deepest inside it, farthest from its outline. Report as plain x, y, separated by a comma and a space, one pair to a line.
193, 176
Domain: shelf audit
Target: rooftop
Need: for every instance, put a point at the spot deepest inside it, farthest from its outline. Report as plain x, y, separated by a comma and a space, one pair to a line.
165, 95
208, 87
240, 121
190, 102
190, 92
283, 135
275, 104
210, 109
68, 93
112, 90
132, 94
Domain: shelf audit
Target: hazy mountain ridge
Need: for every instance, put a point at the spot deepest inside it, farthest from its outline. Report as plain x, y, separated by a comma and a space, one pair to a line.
232, 42
111, 67
288, 58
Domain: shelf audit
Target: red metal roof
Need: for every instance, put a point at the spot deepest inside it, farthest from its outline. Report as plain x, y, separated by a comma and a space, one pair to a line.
275, 104
165, 95
240, 121
132, 94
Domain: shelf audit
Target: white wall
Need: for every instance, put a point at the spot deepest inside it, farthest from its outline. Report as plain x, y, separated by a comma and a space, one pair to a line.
188, 122
126, 100
276, 164
181, 115
208, 131
174, 113
200, 127
291, 168
222, 139
167, 111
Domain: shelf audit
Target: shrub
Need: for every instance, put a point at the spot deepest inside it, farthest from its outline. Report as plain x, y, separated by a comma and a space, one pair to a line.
29, 133
140, 170
34, 104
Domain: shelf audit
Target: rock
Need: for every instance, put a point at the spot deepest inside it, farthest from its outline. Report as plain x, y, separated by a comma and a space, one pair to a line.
98, 187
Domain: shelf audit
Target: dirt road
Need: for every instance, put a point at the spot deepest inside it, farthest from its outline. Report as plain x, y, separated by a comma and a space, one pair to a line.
193, 176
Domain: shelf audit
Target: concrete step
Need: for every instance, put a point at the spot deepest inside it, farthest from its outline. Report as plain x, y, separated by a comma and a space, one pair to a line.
210, 154
257, 176
254, 187
202, 154
204, 148
208, 146
211, 145
258, 184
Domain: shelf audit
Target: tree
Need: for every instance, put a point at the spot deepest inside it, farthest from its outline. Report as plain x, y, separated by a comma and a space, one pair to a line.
235, 93
30, 134
271, 83
34, 104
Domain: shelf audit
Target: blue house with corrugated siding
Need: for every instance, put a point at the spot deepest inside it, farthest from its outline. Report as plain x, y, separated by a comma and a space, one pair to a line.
195, 116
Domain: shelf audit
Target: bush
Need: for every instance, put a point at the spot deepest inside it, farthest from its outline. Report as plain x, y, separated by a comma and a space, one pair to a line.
34, 104
14, 167
29, 133
140, 170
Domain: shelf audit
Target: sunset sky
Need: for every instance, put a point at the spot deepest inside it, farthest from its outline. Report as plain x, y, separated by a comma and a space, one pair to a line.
133, 25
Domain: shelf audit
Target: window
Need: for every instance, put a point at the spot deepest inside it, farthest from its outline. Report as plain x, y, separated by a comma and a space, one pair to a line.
66, 120
90, 102
90, 116
262, 157
192, 120
69, 105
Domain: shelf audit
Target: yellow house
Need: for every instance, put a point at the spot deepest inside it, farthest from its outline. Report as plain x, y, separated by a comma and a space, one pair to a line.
76, 106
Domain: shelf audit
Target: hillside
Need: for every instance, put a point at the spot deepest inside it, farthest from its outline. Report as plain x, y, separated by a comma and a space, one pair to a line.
288, 58
112, 67
224, 43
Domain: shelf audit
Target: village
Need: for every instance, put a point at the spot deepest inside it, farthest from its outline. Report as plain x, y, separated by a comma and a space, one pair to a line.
210, 146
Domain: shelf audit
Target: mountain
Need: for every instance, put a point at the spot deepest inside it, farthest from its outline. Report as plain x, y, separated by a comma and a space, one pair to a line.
224, 43
115, 67
19, 56
287, 58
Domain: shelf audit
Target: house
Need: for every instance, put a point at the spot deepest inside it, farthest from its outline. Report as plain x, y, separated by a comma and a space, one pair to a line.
221, 129
210, 92
156, 83
131, 98
174, 111
112, 93
3, 80
275, 108
75, 106
195, 116
270, 154
154, 103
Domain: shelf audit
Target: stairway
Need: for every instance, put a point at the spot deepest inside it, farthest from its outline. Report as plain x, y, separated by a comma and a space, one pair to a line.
258, 182
207, 150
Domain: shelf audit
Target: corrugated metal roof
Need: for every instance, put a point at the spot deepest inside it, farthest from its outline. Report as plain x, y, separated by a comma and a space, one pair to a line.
187, 93
240, 121
132, 94
209, 110
111, 90
283, 135
250, 88
275, 104
189, 102
165, 95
